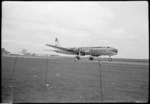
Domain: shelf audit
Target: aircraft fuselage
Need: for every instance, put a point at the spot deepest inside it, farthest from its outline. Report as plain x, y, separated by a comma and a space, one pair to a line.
93, 51
96, 51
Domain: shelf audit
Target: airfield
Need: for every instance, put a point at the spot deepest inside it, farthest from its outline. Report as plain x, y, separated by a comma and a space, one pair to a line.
61, 79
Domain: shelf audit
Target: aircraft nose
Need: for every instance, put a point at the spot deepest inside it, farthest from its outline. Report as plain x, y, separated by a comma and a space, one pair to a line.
115, 50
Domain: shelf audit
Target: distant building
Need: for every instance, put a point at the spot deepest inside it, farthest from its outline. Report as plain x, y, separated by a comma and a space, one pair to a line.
40, 54
47, 55
19, 53
54, 55
4, 52
33, 54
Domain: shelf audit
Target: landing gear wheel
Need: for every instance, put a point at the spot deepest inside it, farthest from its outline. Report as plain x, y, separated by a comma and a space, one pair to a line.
77, 58
110, 59
91, 58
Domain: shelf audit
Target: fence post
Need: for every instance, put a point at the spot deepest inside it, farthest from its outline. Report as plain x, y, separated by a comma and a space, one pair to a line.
14, 67
99, 63
46, 71
12, 79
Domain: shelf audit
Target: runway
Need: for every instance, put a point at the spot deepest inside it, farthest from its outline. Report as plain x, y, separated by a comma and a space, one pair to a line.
66, 80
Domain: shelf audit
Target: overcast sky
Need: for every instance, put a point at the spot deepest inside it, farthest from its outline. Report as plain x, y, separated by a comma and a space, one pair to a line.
31, 25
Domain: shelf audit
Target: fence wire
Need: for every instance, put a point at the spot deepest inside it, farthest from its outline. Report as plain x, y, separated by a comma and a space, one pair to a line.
19, 60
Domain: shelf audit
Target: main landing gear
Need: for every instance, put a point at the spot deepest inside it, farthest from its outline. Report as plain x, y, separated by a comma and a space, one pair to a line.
77, 58
91, 58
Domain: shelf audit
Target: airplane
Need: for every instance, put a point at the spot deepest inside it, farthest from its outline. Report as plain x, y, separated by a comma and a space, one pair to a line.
82, 51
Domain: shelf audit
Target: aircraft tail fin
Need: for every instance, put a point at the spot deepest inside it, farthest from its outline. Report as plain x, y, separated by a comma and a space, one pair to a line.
57, 42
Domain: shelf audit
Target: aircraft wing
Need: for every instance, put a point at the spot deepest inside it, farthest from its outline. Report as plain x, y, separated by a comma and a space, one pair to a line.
48, 50
61, 48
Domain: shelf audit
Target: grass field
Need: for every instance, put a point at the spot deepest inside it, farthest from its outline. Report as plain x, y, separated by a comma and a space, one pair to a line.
70, 81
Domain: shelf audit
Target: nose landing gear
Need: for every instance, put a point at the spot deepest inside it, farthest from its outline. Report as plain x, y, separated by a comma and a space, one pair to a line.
110, 59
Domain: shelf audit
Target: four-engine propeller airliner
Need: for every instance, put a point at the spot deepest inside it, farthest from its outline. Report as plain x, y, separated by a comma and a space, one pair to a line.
82, 51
